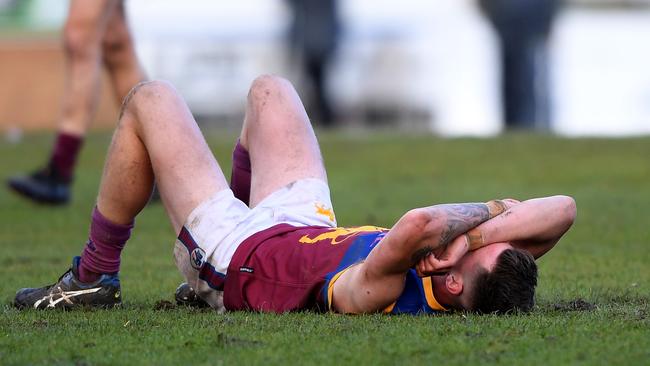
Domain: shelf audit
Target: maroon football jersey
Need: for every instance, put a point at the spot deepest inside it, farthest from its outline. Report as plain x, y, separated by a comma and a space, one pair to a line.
287, 268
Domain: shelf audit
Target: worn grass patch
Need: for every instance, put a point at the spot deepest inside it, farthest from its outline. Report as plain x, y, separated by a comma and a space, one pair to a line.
593, 297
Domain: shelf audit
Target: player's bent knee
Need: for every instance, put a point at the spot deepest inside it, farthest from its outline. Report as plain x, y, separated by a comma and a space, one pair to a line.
267, 91
144, 92
267, 86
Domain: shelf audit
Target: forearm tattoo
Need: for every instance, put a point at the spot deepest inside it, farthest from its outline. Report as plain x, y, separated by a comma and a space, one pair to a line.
460, 218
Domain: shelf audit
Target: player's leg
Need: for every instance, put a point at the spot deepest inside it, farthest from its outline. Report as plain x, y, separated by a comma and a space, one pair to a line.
119, 55
240, 175
82, 33
156, 135
283, 149
157, 124
279, 138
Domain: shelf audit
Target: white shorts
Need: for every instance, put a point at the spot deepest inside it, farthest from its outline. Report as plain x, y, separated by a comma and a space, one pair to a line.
216, 227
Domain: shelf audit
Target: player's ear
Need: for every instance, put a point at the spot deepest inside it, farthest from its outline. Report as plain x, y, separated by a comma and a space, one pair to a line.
454, 283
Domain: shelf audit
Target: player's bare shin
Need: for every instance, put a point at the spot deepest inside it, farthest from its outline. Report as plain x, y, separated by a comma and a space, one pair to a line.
127, 179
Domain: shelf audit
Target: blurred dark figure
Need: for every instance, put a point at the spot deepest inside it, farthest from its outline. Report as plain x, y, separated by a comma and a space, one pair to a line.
313, 36
523, 28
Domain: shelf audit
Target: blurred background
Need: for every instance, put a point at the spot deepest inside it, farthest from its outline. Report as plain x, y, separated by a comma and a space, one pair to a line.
450, 67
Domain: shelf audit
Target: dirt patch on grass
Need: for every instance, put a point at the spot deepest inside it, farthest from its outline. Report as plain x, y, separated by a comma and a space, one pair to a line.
163, 305
573, 305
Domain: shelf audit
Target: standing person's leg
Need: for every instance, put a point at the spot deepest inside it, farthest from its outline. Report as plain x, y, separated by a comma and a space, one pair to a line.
316, 66
119, 55
279, 137
82, 36
156, 135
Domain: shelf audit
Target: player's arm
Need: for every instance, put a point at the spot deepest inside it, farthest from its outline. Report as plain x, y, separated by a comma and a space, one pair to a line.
379, 280
424, 230
534, 225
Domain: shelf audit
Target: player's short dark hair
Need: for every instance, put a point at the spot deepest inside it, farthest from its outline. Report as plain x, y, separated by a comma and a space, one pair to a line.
510, 286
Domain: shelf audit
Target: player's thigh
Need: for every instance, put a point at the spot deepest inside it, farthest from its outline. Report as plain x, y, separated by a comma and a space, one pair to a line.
185, 169
279, 137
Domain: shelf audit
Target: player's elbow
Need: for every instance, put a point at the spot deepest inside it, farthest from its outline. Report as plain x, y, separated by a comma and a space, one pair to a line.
567, 209
422, 223
417, 219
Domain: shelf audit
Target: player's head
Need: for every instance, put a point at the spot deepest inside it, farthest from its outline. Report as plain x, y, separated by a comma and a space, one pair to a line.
495, 278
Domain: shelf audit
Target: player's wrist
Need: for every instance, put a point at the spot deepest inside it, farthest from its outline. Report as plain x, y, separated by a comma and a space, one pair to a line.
474, 239
496, 207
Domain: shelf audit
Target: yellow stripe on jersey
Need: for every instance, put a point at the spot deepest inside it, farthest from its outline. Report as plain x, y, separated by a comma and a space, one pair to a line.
428, 293
330, 287
390, 308
339, 234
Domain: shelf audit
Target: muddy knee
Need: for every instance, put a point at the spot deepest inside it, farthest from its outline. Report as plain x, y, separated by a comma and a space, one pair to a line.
147, 94
265, 87
273, 106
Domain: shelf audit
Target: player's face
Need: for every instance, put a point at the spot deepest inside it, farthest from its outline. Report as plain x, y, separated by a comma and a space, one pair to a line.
485, 257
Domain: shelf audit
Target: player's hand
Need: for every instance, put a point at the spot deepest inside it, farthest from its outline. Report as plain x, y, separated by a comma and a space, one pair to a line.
443, 259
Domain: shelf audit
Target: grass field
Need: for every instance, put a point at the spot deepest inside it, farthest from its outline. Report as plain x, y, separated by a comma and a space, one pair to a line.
593, 298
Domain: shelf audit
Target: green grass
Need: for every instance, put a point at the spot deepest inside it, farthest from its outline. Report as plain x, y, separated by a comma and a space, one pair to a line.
602, 261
